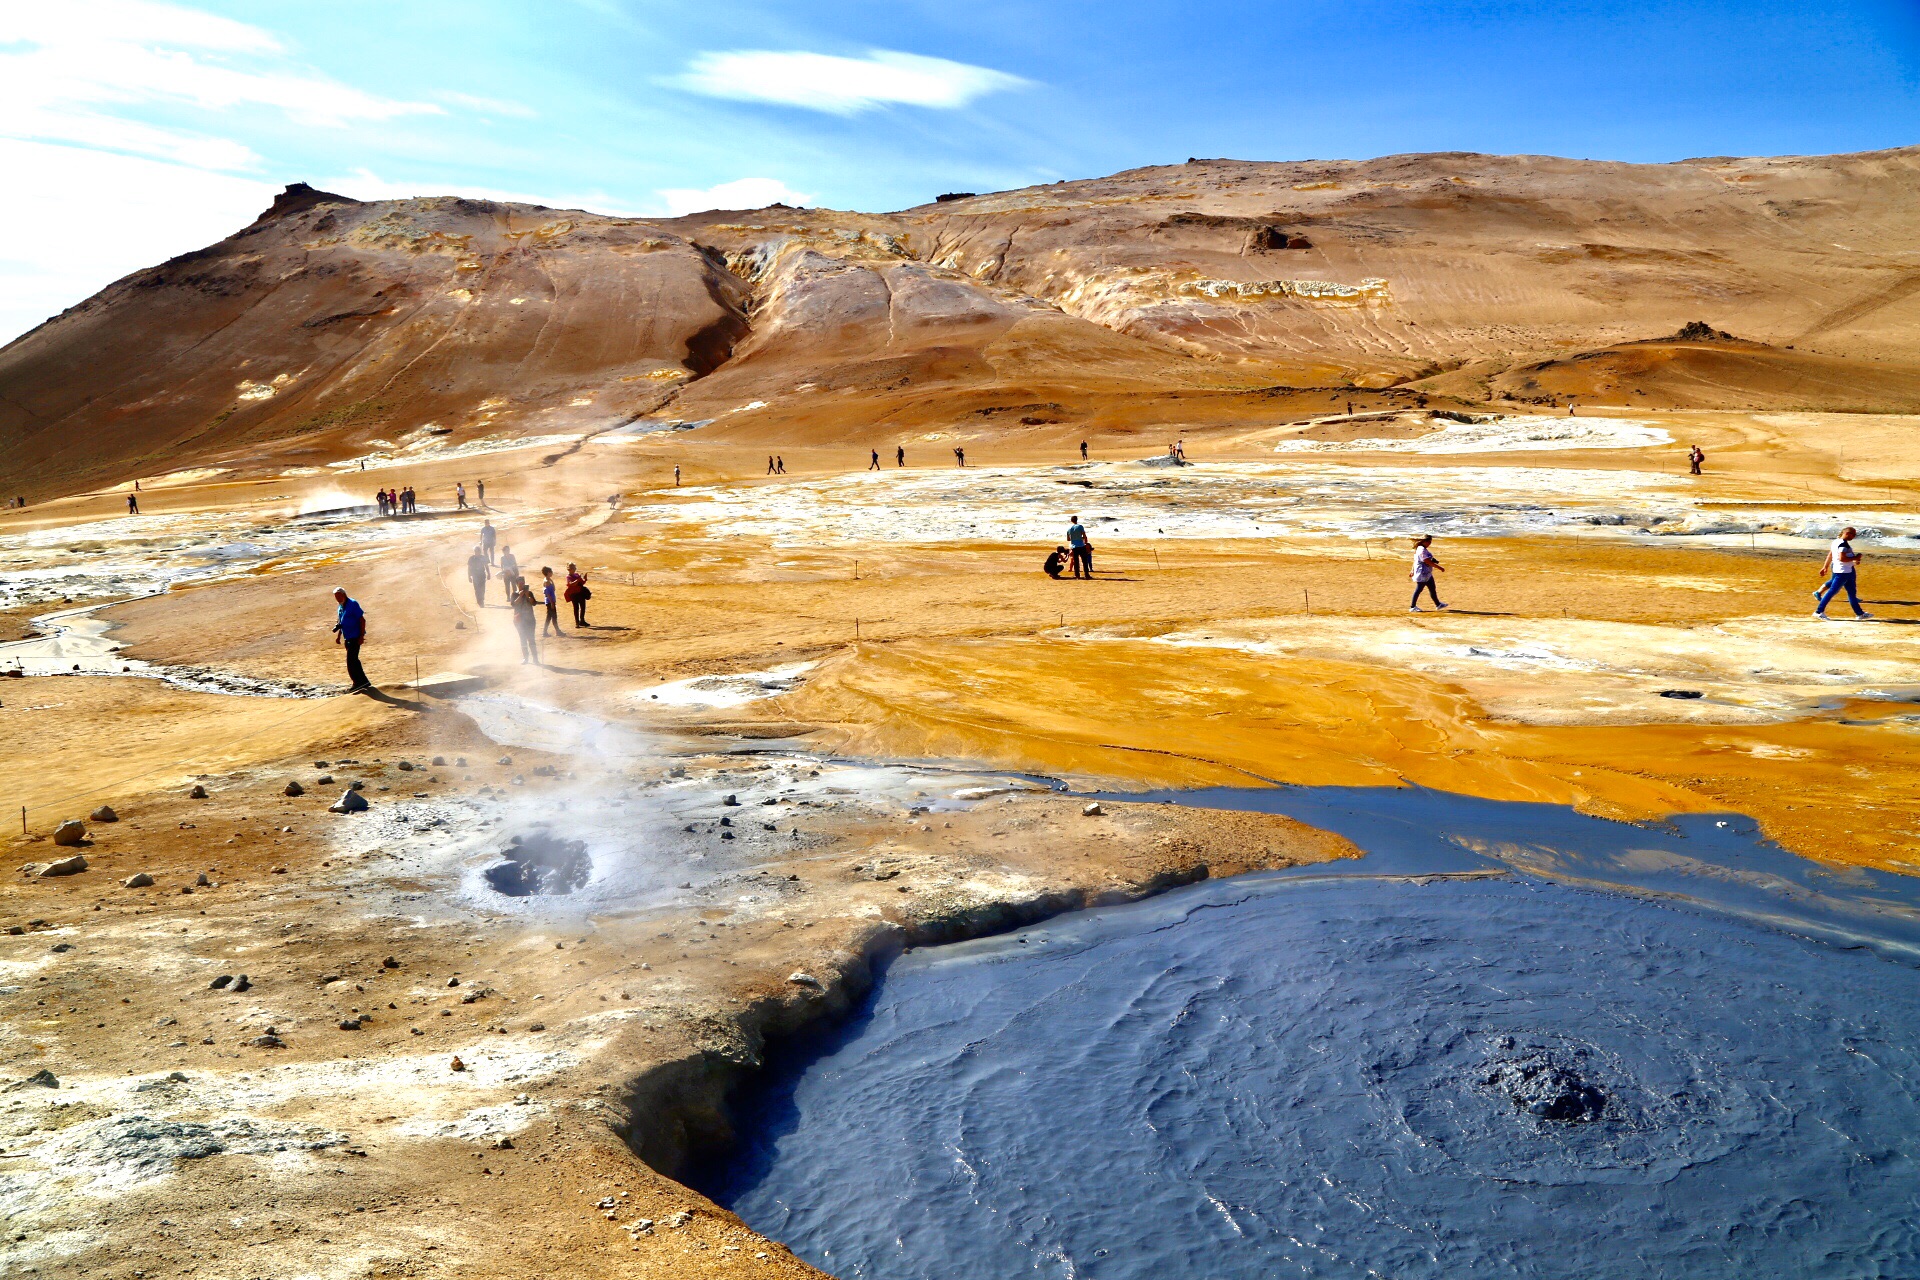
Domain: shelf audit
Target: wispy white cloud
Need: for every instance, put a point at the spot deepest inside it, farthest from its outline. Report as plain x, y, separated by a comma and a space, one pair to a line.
72, 71
485, 106
741, 193
842, 86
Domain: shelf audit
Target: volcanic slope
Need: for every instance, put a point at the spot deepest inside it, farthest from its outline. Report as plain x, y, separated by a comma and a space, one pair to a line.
1214, 292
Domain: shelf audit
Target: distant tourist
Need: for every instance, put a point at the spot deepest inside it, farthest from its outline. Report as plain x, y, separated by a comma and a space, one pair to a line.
899, 455
1842, 567
550, 598
1695, 456
133, 504
959, 457
769, 464
875, 464
1083, 451
350, 629
577, 594
1424, 564
488, 536
509, 566
483, 493
380, 500
477, 575
1056, 561
460, 495
676, 476
779, 465
521, 602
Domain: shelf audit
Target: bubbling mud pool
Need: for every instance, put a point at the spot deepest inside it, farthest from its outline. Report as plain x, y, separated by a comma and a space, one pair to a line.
1458, 1055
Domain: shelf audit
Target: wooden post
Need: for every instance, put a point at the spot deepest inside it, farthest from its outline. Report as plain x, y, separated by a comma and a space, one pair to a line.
23, 819
1305, 595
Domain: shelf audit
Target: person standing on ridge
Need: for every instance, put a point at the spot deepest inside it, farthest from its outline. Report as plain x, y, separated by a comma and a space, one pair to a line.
779, 465
676, 475
488, 536
521, 602
1083, 451
769, 464
350, 629
550, 598
577, 594
380, 500
1080, 551
959, 457
133, 504
875, 464
1424, 564
460, 495
477, 575
1695, 456
483, 493
1842, 567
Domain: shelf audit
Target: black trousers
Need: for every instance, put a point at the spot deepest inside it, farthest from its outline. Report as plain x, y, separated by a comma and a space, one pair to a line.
355, 672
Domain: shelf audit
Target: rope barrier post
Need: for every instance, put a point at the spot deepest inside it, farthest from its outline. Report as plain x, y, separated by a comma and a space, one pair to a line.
1305, 595
23, 819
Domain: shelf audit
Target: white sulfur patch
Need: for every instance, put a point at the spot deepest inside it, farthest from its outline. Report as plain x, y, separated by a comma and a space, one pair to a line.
1532, 432
728, 690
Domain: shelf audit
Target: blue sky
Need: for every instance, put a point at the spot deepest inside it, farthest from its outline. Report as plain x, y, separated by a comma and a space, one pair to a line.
133, 129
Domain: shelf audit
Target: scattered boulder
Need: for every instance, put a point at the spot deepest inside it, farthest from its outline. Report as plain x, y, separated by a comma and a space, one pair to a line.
61, 948
324, 780
453, 982
268, 1041
240, 983
731, 800
439, 760
293, 788
349, 1024
1687, 695
43, 1079
222, 982
503, 1143
505, 760
70, 833
406, 766
202, 881
350, 801
389, 963
104, 813
65, 866
457, 1065
138, 880
1092, 810
800, 977
198, 793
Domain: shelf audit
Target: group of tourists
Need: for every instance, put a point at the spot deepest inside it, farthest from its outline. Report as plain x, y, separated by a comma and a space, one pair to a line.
391, 503
460, 494
485, 565
1076, 557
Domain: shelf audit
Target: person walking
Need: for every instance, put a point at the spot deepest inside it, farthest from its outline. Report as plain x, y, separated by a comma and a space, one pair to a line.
460, 495
521, 602
133, 504
1424, 565
483, 493
509, 567
488, 536
350, 629
874, 465
779, 465
769, 464
550, 598
477, 575
1083, 451
1080, 551
959, 457
1842, 567
899, 455
577, 594
676, 475
1695, 456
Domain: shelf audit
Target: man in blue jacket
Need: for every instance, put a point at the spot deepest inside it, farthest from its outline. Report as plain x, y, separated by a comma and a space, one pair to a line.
350, 628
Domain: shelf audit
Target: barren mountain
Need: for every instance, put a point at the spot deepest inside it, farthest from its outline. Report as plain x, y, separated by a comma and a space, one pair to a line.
1216, 291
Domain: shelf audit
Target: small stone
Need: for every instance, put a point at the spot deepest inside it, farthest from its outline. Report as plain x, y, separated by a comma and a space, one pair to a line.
801, 977
268, 1041
439, 761
70, 833
43, 1078
324, 780
350, 801
536, 1026
241, 984
14, 930
349, 1024
406, 766
65, 866
222, 982
104, 813
521, 1099
202, 880
357, 785
453, 982
460, 761
293, 788
457, 1065
198, 793
60, 947
505, 760
1093, 810
279, 871
138, 880
503, 1144
389, 963
731, 800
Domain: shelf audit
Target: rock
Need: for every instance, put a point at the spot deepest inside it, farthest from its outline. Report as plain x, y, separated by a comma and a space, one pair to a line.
65, 866
503, 1144
359, 786
42, 1078
505, 760
453, 982
268, 1041
202, 880
457, 1065
1684, 694
521, 1099
222, 982
439, 760
801, 977
104, 813
350, 801
731, 800
406, 766
241, 984
472, 996
70, 833
461, 761
293, 788
536, 1026
14, 930
389, 963
198, 793
62, 947
138, 880
349, 1024
1092, 810
324, 780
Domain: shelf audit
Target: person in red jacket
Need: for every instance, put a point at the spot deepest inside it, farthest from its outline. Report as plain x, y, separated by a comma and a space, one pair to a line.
577, 594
